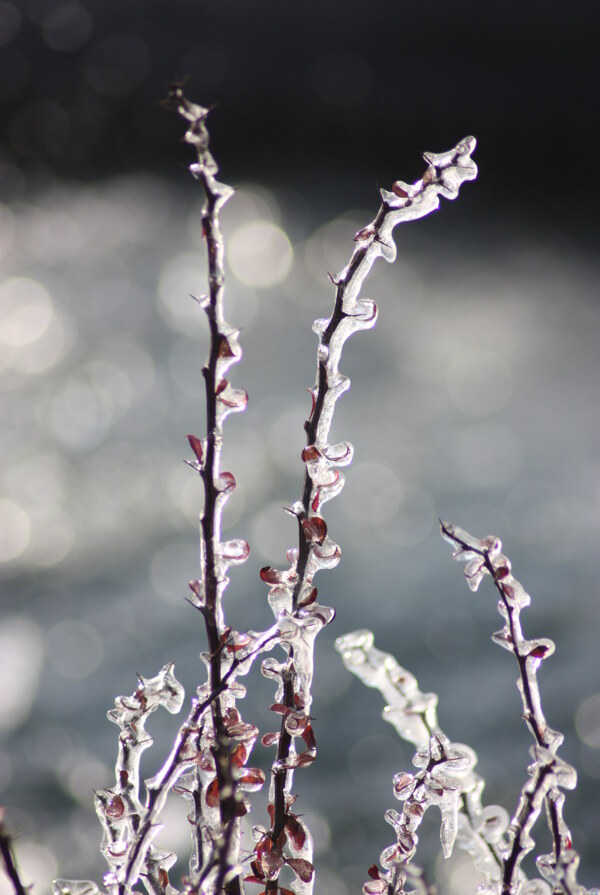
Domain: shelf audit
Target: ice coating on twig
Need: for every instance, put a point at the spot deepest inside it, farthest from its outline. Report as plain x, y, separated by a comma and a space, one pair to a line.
446, 777
548, 773
292, 594
120, 810
215, 785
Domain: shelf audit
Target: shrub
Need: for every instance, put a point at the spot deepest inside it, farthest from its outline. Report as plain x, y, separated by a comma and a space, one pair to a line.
208, 765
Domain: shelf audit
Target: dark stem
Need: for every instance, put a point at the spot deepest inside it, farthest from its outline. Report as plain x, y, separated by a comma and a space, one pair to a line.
8, 861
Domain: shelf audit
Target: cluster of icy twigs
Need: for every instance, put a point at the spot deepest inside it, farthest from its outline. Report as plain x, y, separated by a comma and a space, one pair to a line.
208, 762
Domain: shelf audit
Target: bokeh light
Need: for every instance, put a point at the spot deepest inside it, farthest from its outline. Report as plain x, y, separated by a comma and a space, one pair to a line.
260, 254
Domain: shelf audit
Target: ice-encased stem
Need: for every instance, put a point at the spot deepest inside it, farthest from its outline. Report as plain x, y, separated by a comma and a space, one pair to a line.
292, 591
218, 814
548, 772
447, 778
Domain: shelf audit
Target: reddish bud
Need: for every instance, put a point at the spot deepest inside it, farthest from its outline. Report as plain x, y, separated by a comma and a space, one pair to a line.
225, 483
271, 576
238, 398
315, 529
296, 832
538, 652
196, 446
212, 794
302, 868
309, 737
402, 783
373, 871
365, 233
116, 807
221, 386
224, 349
429, 176
310, 453
308, 599
269, 739
303, 759
397, 190
239, 755
253, 777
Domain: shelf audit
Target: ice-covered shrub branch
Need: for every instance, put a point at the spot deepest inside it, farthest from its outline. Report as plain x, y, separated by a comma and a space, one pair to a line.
292, 594
446, 778
215, 791
548, 773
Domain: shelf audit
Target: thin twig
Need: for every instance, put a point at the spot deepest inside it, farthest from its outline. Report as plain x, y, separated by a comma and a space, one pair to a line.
484, 557
8, 860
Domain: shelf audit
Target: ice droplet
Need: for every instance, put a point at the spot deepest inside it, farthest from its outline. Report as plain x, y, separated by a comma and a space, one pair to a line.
492, 823
234, 552
375, 887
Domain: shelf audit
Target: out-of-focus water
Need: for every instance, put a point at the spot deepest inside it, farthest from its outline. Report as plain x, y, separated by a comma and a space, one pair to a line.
474, 400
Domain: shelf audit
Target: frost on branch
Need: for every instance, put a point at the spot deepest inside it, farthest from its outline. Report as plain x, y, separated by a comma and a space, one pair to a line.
548, 773
445, 777
292, 594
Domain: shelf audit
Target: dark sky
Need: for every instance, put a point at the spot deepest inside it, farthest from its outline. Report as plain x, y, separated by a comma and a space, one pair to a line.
313, 94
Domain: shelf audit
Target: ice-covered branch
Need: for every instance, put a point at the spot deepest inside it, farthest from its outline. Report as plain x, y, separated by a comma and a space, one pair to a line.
446, 778
548, 773
292, 594
219, 780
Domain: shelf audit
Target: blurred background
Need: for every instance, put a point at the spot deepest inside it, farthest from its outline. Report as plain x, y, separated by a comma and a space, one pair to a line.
474, 400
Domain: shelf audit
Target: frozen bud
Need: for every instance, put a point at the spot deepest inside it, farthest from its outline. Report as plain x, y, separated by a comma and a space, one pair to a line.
323, 353
295, 723
225, 483
391, 857
303, 869
375, 887
197, 447
234, 552
364, 235
475, 571
115, 808
492, 823
315, 529
404, 785
271, 668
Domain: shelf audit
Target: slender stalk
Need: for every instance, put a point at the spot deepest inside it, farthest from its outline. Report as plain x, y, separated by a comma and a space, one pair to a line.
548, 772
446, 766
8, 861
444, 175
219, 399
